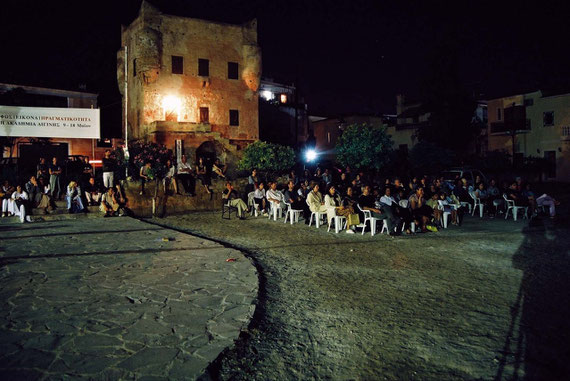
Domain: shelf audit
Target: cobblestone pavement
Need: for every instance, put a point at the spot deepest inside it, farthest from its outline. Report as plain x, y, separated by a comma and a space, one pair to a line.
117, 298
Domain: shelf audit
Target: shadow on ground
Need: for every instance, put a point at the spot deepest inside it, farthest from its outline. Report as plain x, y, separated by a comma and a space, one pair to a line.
538, 343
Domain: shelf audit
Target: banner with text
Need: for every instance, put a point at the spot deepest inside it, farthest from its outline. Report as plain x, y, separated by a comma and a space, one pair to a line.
43, 122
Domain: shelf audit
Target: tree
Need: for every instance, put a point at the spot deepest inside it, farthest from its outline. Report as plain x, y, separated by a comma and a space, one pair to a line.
364, 146
267, 157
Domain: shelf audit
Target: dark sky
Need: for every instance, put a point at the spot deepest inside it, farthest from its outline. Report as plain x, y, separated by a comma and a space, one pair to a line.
345, 56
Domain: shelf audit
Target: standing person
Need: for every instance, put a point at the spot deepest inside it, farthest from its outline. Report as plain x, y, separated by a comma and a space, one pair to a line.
55, 171
231, 195
185, 173
108, 170
87, 171
42, 170
146, 175
203, 175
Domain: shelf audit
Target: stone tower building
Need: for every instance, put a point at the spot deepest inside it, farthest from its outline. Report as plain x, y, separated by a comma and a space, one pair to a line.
190, 82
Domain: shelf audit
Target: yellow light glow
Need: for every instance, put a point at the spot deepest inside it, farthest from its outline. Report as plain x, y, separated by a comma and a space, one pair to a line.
283, 98
171, 103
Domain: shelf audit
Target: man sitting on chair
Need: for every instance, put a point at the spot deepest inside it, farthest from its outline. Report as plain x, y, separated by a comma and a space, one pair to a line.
368, 202
231, 195
274, 196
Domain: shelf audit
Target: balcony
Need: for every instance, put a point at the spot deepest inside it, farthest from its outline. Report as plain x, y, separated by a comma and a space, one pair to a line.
179, 127
515, 120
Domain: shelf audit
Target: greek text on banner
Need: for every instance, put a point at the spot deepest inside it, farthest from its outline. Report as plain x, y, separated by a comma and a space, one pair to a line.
43, 122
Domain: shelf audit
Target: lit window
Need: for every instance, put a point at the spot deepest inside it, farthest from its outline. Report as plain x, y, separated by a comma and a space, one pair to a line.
283, 98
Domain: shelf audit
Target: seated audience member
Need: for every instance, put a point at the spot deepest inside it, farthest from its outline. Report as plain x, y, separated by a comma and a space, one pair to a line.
434, 205
6, 193
478, 181
293, 197
34, 191
170, 177
343, 183
273, 196
231, 195
219, 169
306, 176
332, 202
304, 189
293, 177
110, 205
259, 197
348, 210
493, 193
315, 201
20, 204
390, 205
327, 177
47, 203
520, 200
204, 175
461, 192
92, 192
120, 196
184, 173
73, 198
420, 211
551, 203
368, 202
447, 202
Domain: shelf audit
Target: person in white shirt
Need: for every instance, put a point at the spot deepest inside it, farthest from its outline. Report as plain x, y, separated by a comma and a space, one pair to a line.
19, 204
259, 196
73, 198
184, 173
274, 196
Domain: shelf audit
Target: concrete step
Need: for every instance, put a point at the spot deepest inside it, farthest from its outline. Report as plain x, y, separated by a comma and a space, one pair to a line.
60, 213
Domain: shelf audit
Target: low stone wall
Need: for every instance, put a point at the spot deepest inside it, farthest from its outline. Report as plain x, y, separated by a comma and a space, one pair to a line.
172, 204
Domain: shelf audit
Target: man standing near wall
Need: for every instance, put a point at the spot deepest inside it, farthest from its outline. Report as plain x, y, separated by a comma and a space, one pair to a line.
55, 179
108, 170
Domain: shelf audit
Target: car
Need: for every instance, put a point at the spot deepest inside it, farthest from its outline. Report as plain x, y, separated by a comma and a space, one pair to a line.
470, 174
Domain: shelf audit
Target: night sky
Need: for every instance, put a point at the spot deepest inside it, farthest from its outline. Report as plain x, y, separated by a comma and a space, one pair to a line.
345, 56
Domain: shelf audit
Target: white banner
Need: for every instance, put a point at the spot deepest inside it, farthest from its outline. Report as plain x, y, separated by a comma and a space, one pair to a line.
43, 122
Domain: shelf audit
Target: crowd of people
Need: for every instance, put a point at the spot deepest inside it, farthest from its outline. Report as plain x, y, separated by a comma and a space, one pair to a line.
77, 185
404, 205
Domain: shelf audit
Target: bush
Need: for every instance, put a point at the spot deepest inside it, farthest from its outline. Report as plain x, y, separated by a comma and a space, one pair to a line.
267, 157
141, 153
364, 146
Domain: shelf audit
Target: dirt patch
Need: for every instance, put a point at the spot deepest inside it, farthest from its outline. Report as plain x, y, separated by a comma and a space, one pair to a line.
487, 300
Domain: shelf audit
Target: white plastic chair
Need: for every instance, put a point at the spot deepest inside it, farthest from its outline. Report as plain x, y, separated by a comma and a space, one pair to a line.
445, 215
293, 214
511, 206
318, 216
252, 204
477, 202
274, 210
338, 221
368, 217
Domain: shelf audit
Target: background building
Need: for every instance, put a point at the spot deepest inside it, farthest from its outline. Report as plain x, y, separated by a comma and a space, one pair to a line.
535, 124
190, 83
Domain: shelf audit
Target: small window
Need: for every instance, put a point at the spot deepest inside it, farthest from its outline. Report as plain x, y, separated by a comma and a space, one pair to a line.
203, 67
135, 67
233, 70
548, 118
204, 115
499, 116
177, 65
234, 118
529, 102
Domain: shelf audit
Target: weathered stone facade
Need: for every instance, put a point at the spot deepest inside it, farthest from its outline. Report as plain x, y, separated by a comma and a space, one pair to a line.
166, 90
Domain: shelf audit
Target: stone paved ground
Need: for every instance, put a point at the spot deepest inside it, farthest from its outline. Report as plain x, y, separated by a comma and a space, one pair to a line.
110, 299
488, 300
